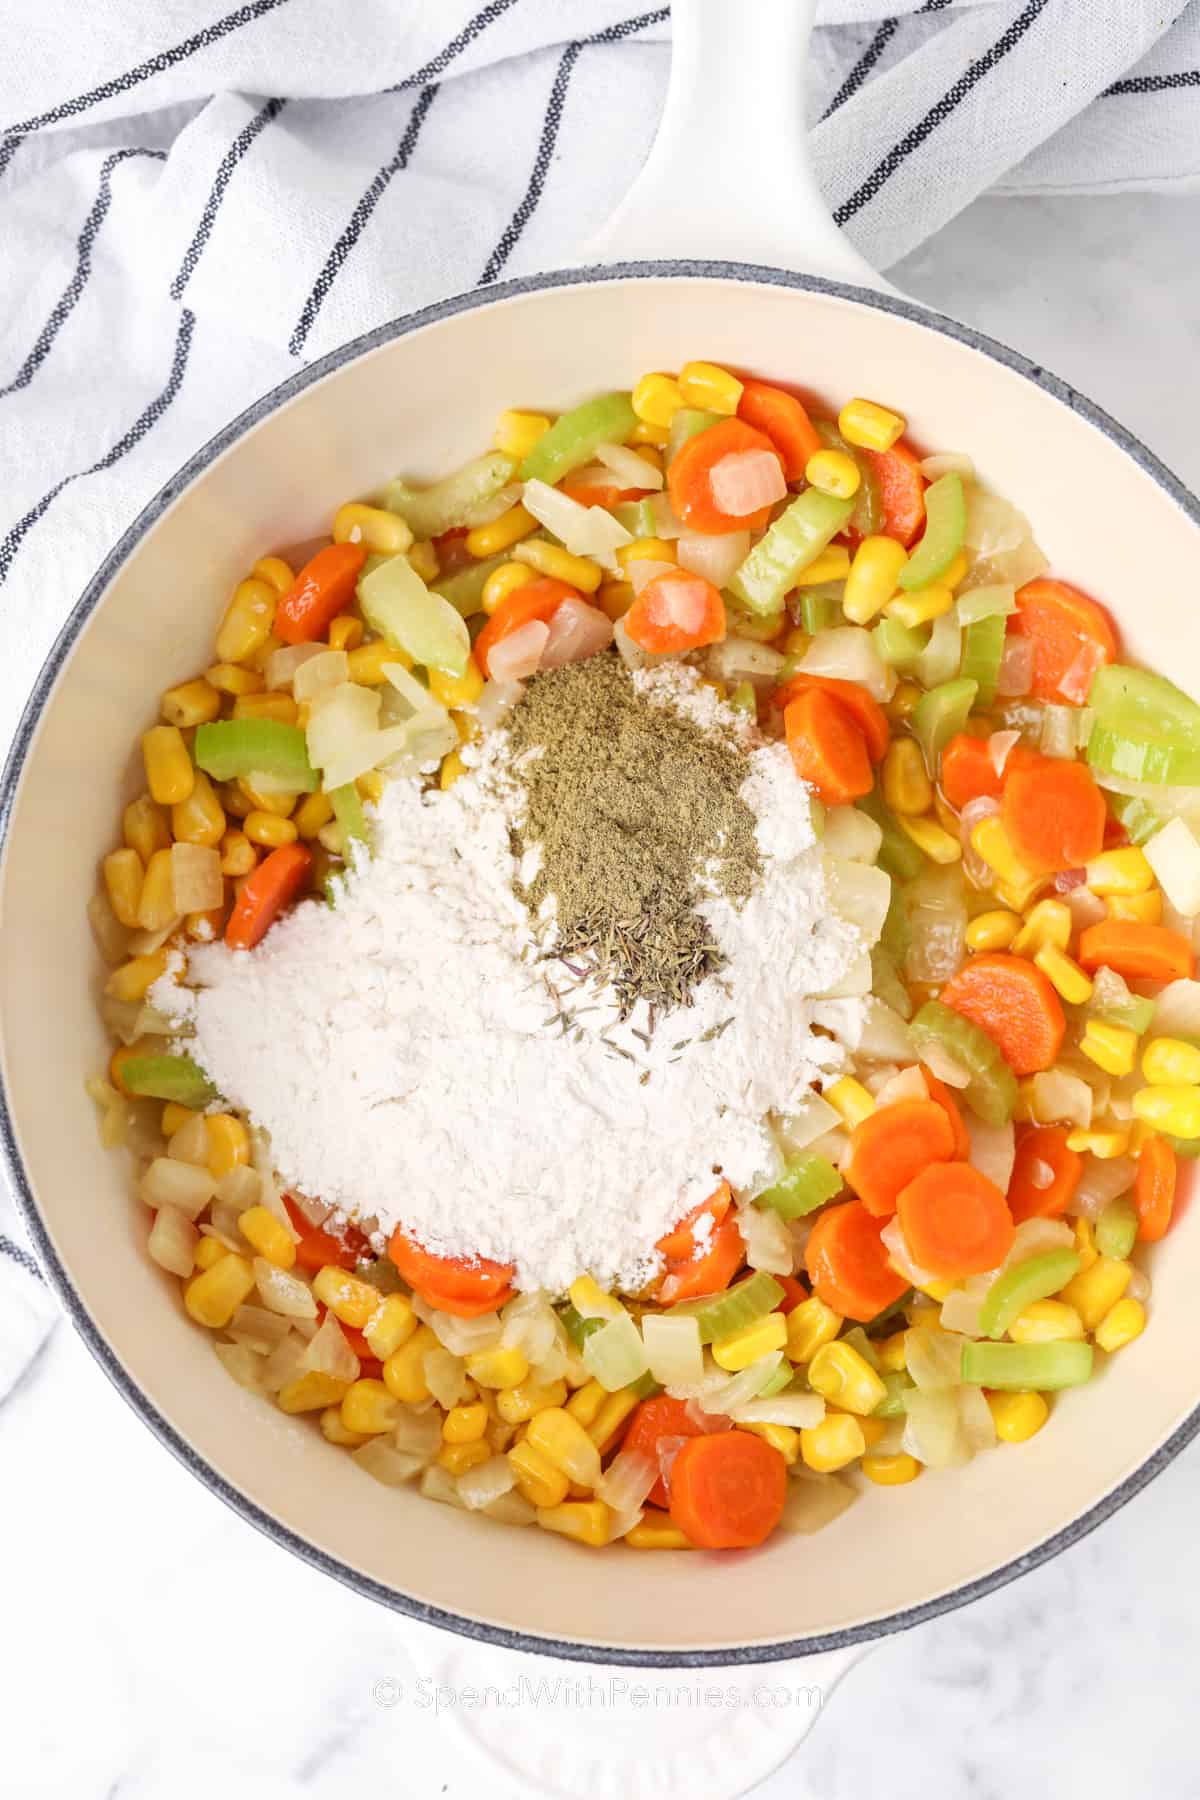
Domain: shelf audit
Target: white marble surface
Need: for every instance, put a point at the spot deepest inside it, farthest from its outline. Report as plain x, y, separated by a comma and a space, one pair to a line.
157, 1646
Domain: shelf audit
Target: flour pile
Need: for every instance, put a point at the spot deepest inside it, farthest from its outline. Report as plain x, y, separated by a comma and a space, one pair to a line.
416, 1057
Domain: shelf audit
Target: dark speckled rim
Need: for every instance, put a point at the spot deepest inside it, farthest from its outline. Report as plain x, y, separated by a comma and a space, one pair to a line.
57, 1276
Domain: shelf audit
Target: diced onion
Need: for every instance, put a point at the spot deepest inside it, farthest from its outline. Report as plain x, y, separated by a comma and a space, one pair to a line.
320, 673
938, 916
673, 1350
512, 1509
811, 1119
706, 1423
975, 1420
282, 1292
519, 655
858, 893
1177, 1009
1000, 747
492, 506
196, 878
1032, 1236
462, 1337
642, 570
892, 1239
181, 1185
885, 1037
241, 1188
577, 630
939, 660
725, 1393
947, 462
383, 1464
715, 556
666, 1450
283, 664
344, 735
329, 1352
445, 1377
585, 530
486, 1483
530, 1325
909, 1084
815, 1501
190, 1143
615, 1355
933, 1358
1104, 1179
993, 1150
438, 1484
243, 1365
112, 938
800, 1411
1015, 676
1076, 683
848, 653
960, 1308
418, 1433
768, 1245
284, 1363
737, 659
1059, 731
1174, 855
631, 654
931, 1432
666, 525
626, 1483
1061, 1099
851, 834
747, 480
259, 1329
496, 702
172, 1241
630, 469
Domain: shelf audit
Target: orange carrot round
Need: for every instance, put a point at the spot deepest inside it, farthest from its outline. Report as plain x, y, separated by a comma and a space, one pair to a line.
676, 611
539, 599
453, 1284
1138, 952
785, 422
955, 1221
940, 1094
711, 1266
968, 773
1054, 814
1010, 999
867, 713
682, 1239
265, 892
828, 749
901, 490
1154, 1188
659, 1417
728, 1490
689, 477
323, 589
1045, 1173
891, 1146
318, 1248
1071, 635
848, 1263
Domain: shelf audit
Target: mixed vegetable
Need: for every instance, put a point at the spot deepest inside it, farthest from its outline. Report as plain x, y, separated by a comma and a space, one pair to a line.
950, 1234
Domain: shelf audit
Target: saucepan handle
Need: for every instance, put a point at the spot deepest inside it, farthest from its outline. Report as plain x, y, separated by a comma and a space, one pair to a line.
728, 177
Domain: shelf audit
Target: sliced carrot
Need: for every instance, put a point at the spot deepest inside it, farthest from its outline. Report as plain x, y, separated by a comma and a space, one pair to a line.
682, 1240
1045, 1173
1138, 952
1054, 814
901, 491
940, 1094
1072, 636
785, 422
1154, 1188
689, 477
318, 1248
968, 772
538, 599
848, 1262
598, 493
323, 589
676, 611
828, 749
955, 1221
265, 892
728, 1490
891, 1146
794, 1293
454, 1284
711, 1267
867, 713
660, 1417
1010, 999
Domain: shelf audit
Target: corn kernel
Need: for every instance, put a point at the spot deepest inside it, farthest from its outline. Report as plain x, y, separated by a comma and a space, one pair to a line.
371, 786
614, 598
1064, 975
539, 1481
393, 1325
783, 1438
709, 387
229, 678
1140, 909
589, 1298
456, 1459
922, 606
169, 772
247, 622
833, 472
497, 1368
1112, 1048
1123, 871
938, 844
275, 572
892, 1469
453, 769
334, 1432
741, 1348
517, 432
868, 426
901, 704
1121, 1324
1102, 1144
210, 1250
560, 565
191, 703
851, 1100
517, 1405
890, 1351
906, 786
1174, 1109
351, 1300
465, 1424
1095, 1291
200, 819
657, 436
656, 399
811, 1325
842, 1376
174, 1117
205, 927
1017, 1416
269, 830
229, 1148
368, 1408
1046, 1322
656, 1530
457, 690
649, 549
313, 811
311, 1391
345, 633
587, 1521
213, 1296
608, 1421
502, 582
385, 533
404, 1369
156, 906
1167, 1060
563, 1439
489, 540
836, 1441
993, 930
131, 981
832, 565
1047, 922
585, 1402
872, 579
145, 827
499, 1436
366, 665
1085, 1243
269, 1235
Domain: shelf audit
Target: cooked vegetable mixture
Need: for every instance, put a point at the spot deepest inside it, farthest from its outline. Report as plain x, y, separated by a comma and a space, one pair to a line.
953, 1228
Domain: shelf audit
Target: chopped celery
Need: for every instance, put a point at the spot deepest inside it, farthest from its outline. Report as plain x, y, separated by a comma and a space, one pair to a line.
1136, 815
232, 747
396, 603
1021, 1367
945, 529
940, 715
645, 1387
348, 811
858, 1340
577, 1328
898, 1384
986, 603
638, 517
992, 1090
720, 1314
776, 1381
1146, 728
687, 423
807, 1183
1117, 1228
898, 855
886, 1321
796, 539
886, 984
983, 646
464, 589
1034, 1279
175, 1078
1111, 1000
867, 517
896, 936
898, 644
820, 607
941, 659
1181, 1146
573, 438
744, 699
1141, 757
447, 504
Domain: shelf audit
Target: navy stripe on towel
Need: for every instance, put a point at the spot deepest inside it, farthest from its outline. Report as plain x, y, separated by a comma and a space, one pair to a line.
871, 55
1154, 84
21, 1257
224, 176
437, 65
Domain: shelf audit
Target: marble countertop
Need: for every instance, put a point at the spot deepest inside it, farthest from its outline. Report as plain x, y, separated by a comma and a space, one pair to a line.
158, 1646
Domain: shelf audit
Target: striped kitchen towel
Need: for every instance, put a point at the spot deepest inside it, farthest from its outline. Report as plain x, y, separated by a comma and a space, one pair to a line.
193, 201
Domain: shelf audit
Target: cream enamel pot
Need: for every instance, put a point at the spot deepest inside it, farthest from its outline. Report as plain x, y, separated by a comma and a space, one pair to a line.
421, 393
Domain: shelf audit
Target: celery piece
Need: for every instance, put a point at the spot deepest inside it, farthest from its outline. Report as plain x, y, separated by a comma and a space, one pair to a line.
982, 648
940, 715
348, 811
867, 517
577, 1328
796, 539
995, 601
1117, 1228
1161, 760
992, 1091
898, 855
645, 1387
1112, 1001
858, 1340
464, 589
899, 645
687, 423
744, 699
776, 1381
808, 1182
1146, 728
396, 603
232, 747
945, 529
1136, 815
1021, 1367
820, 607
886, 984
720, 1314
448, 503
175, 1078
896, 936
573, 438
885, 1322
898, 1384
1034, 1279
638, 517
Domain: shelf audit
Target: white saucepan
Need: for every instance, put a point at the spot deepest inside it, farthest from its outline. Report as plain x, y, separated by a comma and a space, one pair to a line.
421, 393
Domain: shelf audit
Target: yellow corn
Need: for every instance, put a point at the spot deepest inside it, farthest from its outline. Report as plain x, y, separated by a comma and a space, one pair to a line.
783, 1438
1095, 1291
589, 1298
1105, 1144
145, 827
585, 1402
366, 665
269, 830
314, 811
404, 1369
614, 598
502, 582
1124, 871
868, 426
345, 632
796, 642
1064, 974
842, 1376
229, 1148
386, 533
954, 572
851, 1100
156, 907
501, 534
832, 565
709, 387
210, 1250
587, 1521
334, 1432
1112, 1048
1046, 1322
833, 472
205, 927
311, 1392
836, 1441
872, 578
1085, 1243
348, 1298
516, 1405
562, 1438
131, 981
657, 436
1046, 922
233, 800
893, 1469
258, 659
270, 1237
456, 1459
560, 565
392, 1326
238, 855
229, 678
741, 1348
906, 786
648, 549
656, 1530
1167, 1060
1142, 909
938, 844
539, 1481
517, 432
656, 399
497, 1368
175, 1117
811, 1325
1017, 1416
890, 1351
200, 819
457, 690
612, 1415
993, 930
1121, 1324
452, 769
123, 877
213, 1296
900, 706
371, 786
275, 572
1139, 1136
1174, 1109
192, 703
368, 1407
921, 607
247, 622
499, 1436
169, 772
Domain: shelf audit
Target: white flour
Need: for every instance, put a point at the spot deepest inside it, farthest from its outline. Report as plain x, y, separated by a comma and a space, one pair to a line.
398, 1051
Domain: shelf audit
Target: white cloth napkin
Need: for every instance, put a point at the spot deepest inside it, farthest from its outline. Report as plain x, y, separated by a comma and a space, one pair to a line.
194, 202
